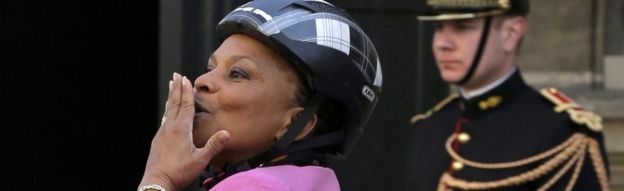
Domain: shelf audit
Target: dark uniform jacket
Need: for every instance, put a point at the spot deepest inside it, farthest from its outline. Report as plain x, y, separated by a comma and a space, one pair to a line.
507, 131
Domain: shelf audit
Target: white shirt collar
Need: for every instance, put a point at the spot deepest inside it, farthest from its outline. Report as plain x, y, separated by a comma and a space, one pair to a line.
484, 89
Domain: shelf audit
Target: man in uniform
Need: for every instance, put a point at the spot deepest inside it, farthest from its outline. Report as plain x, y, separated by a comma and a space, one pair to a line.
496, 132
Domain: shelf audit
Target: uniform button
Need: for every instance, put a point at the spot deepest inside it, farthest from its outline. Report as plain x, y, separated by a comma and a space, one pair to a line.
457, 166
463, 138
483, 105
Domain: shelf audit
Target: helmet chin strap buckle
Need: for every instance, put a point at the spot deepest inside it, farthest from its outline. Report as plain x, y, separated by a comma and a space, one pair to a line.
477, 59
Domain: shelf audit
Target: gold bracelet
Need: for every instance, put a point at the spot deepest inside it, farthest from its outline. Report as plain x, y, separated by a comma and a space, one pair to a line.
151, 186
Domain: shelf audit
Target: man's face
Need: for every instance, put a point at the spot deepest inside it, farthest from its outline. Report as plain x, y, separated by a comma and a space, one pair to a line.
455, 44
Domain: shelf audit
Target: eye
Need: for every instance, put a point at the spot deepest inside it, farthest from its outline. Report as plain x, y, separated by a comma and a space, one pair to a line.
465, 25
209, 68
437, 26
238, 73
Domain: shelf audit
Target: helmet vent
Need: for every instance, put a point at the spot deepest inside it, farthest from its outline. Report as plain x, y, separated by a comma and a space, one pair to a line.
326, 8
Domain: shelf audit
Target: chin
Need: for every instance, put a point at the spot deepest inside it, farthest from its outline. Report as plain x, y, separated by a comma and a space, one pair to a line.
201, 133
450, 76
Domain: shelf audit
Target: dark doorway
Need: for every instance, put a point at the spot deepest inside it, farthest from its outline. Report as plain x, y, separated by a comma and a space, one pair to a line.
78, 82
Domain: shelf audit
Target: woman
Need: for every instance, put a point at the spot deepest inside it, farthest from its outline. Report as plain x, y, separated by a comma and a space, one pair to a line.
292, 83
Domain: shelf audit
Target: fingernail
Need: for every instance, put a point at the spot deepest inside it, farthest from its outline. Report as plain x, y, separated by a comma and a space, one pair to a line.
184, 81
173, 76
225, 137
170, 84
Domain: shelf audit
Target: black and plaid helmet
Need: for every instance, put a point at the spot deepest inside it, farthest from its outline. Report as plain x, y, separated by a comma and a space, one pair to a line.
329, 50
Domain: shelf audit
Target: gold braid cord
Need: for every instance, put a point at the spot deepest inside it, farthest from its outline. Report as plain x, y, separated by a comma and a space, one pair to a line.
569, 153
598, 162
436, 108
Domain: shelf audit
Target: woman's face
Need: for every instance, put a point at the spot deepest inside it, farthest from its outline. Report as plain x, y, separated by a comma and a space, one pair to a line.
247, 90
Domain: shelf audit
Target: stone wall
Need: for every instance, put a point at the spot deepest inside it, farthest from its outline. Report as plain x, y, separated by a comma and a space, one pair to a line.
614, 28
559, 36
568, 39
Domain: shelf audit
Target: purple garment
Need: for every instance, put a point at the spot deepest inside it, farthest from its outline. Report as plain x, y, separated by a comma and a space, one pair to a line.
281, 178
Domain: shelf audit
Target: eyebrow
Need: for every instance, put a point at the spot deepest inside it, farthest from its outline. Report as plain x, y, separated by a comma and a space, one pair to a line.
235, 59
465, 21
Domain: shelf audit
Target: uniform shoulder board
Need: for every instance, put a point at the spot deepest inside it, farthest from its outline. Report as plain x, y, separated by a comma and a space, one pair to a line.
436, 108
576, 112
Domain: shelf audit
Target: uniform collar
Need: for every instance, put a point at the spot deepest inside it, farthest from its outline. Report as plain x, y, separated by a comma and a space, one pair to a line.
496, 97
483, 90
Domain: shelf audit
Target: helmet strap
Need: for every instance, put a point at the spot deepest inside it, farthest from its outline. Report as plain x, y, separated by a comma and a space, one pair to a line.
477, 59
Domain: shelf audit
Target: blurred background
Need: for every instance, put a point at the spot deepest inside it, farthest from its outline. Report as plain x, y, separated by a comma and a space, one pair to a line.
83, 83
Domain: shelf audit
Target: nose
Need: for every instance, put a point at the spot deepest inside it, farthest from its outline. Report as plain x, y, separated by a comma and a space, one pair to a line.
442, 39
205, 83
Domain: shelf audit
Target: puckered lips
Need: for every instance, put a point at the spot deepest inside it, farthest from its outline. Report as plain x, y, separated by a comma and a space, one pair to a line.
199, 108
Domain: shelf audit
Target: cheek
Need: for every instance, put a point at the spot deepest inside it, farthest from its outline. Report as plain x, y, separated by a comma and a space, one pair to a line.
469, 49
491, 57
251, 117
228, 114
250, 135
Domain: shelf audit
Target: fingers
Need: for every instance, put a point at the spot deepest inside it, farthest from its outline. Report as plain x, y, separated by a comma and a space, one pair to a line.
173, 100
170, 88
164, 118
187, 104
214, 145
180, 104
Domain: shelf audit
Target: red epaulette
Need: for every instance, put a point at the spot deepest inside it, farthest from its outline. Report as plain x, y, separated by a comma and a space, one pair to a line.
576, 112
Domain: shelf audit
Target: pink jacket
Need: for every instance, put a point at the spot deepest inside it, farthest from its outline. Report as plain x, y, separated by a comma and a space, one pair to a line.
281, 178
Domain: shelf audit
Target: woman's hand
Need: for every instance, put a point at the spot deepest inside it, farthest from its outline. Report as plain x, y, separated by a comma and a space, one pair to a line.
174, 161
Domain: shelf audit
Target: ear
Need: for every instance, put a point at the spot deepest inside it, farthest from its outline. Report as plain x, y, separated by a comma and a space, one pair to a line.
513, 32
290, 117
